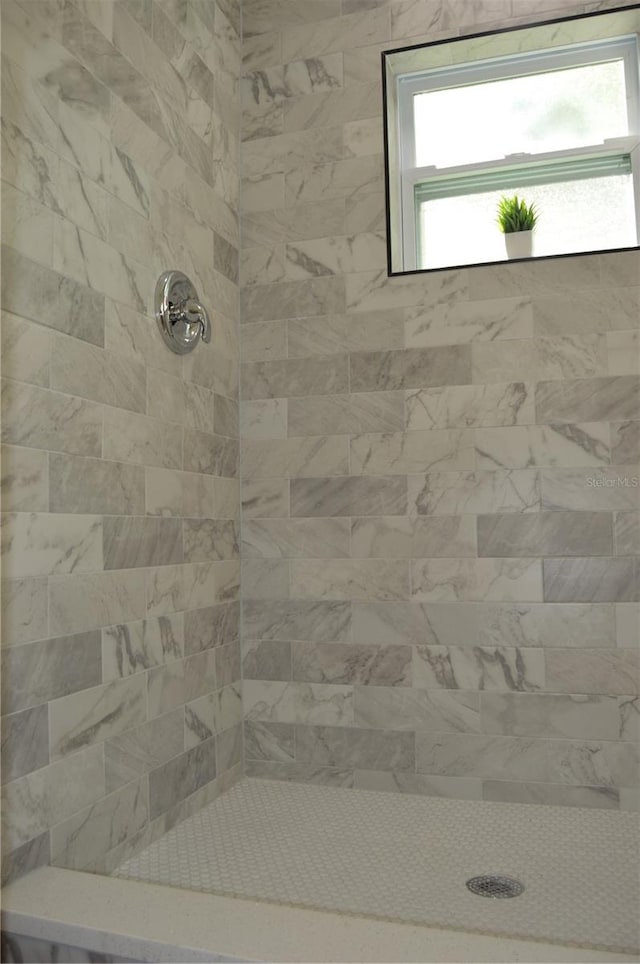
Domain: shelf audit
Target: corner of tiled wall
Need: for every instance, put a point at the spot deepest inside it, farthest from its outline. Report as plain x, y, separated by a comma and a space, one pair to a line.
435, 599
121, 654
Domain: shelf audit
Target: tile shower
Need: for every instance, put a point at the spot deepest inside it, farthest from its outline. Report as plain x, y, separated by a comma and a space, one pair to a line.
436, 597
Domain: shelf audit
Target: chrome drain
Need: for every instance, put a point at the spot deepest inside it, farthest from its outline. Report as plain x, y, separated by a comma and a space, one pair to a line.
495, 885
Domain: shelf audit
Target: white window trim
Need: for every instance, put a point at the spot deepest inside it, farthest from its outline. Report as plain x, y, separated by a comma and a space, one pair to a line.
624, 150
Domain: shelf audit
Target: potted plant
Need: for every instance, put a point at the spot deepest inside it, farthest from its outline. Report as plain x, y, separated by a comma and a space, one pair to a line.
516, 220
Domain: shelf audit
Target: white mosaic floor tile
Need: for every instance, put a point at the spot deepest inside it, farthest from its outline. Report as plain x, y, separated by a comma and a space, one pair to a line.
407, 858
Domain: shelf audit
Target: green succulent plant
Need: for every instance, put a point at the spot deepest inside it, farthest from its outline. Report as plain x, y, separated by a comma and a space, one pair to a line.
516, 215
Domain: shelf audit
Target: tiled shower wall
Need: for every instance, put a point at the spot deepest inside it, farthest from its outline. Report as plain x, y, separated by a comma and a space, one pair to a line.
440, 571
120, 659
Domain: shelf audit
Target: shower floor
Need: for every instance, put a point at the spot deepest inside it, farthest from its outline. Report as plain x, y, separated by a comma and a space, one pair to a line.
407, 858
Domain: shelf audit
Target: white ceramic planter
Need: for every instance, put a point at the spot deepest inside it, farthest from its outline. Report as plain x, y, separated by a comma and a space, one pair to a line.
519, 244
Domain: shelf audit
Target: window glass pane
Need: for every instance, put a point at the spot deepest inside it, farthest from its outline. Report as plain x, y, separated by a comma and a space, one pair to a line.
551, 111
585, 215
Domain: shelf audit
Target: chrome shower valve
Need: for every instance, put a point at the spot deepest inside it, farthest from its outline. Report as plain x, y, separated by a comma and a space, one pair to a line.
182, 318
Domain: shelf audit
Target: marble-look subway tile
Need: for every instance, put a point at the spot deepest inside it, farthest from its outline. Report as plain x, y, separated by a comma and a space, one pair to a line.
358, 331
623, 352
375, 290
331, 256
587, 579
135, 752
350, 663
39, 544
505, 791
294, 377
268, 659
295, 457
582, 443
25, 742
346, 414
95, 486
402, 453
180, 681
552, 716
350, 579
211, 626
470, 406
38, 418
25, 350
91, 600
265, 419
599, 672
30, 855
483, 491
413, 538
476, 579
265, 579
588, 399
269, 741
296, 538
627, 617
25, 610
403, 708
300, 222
132, 542
586, 311
460, 788
206, 540
625, 442
605, 488
336, 33
627, 533
129, 648
300, 773
546, 534
210, 454
91, 716
545, 357
410, 368
142, 440
349, 495
478, 668
311, 703
178, 778
265, 497
40, 294
374, 749
293, 299
317, 620
459, 322
25, 479
348, 177
37, 801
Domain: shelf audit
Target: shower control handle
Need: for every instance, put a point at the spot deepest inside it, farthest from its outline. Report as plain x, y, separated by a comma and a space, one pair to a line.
191, 312
182, 318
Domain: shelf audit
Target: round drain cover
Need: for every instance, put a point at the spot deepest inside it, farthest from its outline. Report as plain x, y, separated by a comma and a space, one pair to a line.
495, 885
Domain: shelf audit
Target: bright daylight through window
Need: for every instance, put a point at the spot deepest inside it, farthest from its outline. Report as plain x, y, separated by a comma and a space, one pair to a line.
556, 123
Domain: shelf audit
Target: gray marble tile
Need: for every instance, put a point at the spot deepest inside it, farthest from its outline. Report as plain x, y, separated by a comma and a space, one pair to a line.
375, 290
130, 648
25, 614
413, 538
213, 626
91, 600
132, 542
351, 663
269, 741
470, 406
585, 443
93, 715
25, 480
350, 579
226, 416
197, 407
627, 533
83, 839
210, 454
297, 223
37, 672
95, 486
460, 788
321, 620
266, 659
402, 708
292, 299
593, 671
265, 497
178, 778
555, 795
291, 702
265, 418
37, 801
483, 491
229, 748
551, 716
225, 258
589, 399
586, 311
36, 544
558, 356
592, 580
292, 377
137, 751
403, 453
377, 749
295, 457
40, 294
459, 322
198, 721
573, 625
627, 617
478, 668
38, 418
136, 438
81, 369
546, 534
206, 540
625, 443
330, 256
34, 853
357, 331
25, 742
25, 349
605, 488
572, 762
411, 368
346, 414
349, 495
477, 579
299, 773
228, 664
296, 538
180, 681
